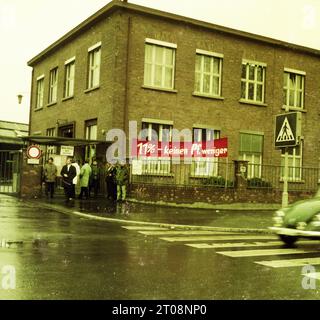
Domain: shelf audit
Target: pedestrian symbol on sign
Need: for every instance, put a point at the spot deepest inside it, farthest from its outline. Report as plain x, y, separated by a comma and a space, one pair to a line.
285, 133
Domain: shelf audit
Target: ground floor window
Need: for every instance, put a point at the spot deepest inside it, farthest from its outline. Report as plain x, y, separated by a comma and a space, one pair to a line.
205, 167
295, 163
251, 149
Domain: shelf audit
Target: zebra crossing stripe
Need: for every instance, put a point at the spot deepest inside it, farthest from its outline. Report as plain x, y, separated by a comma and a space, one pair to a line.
266, 252
177, 232
242, 244
137, 228
218, 238
289, 262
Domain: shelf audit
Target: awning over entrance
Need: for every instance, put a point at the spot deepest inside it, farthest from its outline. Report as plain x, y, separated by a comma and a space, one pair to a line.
60, 141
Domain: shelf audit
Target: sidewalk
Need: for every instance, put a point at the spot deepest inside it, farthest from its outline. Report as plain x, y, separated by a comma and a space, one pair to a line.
233, 217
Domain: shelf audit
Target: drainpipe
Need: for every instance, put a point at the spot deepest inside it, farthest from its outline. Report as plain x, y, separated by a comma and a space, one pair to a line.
126, 95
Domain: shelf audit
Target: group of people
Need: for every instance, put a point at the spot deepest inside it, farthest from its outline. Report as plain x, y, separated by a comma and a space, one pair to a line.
88, 178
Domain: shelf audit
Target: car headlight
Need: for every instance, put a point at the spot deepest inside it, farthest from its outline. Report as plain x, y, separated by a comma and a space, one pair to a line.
278, 218
301, 225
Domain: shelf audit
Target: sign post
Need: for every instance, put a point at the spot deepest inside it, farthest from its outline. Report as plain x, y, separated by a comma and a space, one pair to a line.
287, 134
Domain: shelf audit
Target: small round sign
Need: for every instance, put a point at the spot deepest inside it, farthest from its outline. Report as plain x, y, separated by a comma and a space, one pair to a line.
33, 152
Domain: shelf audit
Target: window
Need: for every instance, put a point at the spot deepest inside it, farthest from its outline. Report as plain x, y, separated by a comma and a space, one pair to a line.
156, 132
40, 91
205, 167
94, 58
91, 134
293, 89
253, 81
208, 73
91, 129
69, 79
294, 163
251, 149
51, 132
159, 64
53, 85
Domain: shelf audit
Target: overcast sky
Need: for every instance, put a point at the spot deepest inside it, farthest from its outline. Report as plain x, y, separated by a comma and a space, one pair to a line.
29, 26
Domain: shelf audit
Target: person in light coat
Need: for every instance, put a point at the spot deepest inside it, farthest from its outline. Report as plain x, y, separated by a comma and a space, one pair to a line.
76, 178
85, 174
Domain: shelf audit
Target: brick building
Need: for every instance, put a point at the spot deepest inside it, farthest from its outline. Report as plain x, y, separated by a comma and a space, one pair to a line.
127, 62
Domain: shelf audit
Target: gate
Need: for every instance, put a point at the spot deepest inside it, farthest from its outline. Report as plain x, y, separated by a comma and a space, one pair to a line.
10, 171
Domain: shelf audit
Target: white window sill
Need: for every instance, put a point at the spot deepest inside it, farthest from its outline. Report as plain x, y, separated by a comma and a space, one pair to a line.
294, 109
51, 104
91, 89
169, 175
254, 103
67, 98
203, 95
38, 109
160, 89
293, 181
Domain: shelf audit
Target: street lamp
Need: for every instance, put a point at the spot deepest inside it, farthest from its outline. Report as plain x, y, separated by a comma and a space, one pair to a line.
20, 96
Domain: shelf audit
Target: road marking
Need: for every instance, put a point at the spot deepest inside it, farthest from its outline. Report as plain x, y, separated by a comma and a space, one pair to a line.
177, 232
143, 228
266, 252
289, 262
218, 238
242, 244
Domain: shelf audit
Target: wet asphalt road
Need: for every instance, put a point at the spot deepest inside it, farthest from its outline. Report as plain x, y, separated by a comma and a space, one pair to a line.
65, 257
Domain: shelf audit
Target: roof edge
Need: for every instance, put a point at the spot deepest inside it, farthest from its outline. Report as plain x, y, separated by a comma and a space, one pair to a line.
117, 4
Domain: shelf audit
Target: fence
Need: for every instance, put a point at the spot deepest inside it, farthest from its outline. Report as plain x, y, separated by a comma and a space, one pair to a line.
9, 171
197, 173
221, 173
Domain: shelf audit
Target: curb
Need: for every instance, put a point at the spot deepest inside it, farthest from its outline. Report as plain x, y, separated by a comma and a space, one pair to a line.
144, 223
206, 206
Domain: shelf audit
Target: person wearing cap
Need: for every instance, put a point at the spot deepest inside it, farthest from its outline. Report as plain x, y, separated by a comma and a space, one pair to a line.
50, 175
94, 178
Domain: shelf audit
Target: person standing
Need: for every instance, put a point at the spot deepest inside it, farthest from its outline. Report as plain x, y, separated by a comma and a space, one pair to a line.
110, 181
95, 178
76, 178
122, 179
50, 174
85, 173
68, 172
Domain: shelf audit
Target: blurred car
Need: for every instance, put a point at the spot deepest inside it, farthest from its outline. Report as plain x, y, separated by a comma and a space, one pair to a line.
299, 220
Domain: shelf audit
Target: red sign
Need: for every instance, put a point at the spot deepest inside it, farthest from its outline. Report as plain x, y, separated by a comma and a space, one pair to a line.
217, 149
33, 152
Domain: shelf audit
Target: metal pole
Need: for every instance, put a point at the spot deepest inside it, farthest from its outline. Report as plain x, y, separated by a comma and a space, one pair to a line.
285, 194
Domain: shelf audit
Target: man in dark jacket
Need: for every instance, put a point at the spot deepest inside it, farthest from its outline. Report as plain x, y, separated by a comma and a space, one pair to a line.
68, 172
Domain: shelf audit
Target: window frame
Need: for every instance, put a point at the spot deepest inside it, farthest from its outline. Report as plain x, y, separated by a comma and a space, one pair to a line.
154, 44
39, 92
69, 78
251, 156
287, 90
53, 86
255, 82
212, 55
93, 66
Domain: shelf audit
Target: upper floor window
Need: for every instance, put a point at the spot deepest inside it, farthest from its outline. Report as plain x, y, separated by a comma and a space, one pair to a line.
69, 78
253, 81
159, 64
293, 88
53, 85
94, 59
39, 92
208, 73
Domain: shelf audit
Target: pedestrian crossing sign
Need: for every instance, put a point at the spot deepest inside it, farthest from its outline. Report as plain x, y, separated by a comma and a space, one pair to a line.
288, 129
